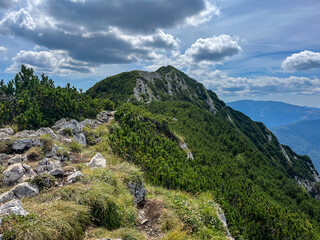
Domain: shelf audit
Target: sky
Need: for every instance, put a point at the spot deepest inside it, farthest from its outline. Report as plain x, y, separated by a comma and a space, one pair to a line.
240, 49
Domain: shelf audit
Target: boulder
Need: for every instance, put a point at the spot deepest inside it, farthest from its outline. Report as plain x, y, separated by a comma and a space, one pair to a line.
59, 124
7, 196
49, 131
7, 131
80, 138
138, 190
17, 159
57, 172
16, 172
98, 161
25, 190
92, 123
54, 152
12, 207
4, 157
24, 144
47, 164
103, 116
26, 134
74, 177
73, 125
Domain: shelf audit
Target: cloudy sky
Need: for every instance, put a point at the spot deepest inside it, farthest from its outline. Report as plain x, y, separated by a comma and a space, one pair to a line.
241, 49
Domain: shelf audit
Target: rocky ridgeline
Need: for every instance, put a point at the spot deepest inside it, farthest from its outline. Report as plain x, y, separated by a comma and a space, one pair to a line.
23, 178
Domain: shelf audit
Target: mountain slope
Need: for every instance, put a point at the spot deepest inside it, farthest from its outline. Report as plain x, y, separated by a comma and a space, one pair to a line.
303, 137
253, 177
275, 114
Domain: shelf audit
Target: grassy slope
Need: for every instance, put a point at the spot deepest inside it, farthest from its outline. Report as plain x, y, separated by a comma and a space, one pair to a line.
100, 205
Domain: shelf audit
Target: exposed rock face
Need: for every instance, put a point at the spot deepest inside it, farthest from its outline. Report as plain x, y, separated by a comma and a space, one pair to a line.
25, 190
12, 207
15, 172
74, 177
49, 131
23, 144
98, 161
26, 134
54, 151
103, 117
138, 190
17, 159
80, 138
72, 124
57, 172
6, 132
223, 219
4, 157
47, 165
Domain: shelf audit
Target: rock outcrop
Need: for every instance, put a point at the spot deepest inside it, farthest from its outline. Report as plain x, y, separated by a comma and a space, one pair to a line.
12, 207
98, 161
17, 172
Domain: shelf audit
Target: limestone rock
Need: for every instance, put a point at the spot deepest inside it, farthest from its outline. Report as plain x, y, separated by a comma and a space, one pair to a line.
26, 134
25, 190
12, 207
72, 124
23, 144
7, 196
6, 131
49, 131
59, 124
17, 159
74, 177
15, 172
138, 190
98, 161
54, 152
103, 117
57, 172
47, 165
80, 138
4, 157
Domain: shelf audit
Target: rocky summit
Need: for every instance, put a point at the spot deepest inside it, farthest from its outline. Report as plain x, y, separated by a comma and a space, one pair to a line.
145, 155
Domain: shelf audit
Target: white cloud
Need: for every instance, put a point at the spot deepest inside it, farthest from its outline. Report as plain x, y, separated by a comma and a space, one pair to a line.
205, 15
302, 61
3, 49
50, 62
214, 49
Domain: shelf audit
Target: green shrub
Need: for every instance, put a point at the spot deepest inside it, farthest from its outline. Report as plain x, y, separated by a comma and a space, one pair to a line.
43, 181
76, 147
67, 132
47, 142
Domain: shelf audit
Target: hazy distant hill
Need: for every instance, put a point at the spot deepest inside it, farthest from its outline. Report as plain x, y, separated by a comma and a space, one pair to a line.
275, 114
303, 137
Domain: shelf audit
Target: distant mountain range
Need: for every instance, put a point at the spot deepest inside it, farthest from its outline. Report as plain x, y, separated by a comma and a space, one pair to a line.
295, 126
275, 114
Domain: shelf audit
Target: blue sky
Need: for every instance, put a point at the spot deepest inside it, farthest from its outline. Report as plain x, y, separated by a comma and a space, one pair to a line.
241, 49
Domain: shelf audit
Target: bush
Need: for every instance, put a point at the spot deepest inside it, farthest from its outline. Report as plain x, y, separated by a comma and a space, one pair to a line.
43, 181
47, 142
76, 147
67, 132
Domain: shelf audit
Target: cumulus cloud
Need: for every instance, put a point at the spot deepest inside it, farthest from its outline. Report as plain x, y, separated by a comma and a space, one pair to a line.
52, 62
203, 54
225, 85
302, 61
3, 49
104, 32
214, 49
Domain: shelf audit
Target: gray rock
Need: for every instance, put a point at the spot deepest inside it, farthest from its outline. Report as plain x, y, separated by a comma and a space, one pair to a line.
59, 124
12, 207
103, 116
7, 131
47, 164
138, 190
7, 196
17, 159
25, 190
26, 134
57, 172
15, 173
4, 157
74, 177
98, 161
49, 131
54, 151
73, 125
80, 138
24, 144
